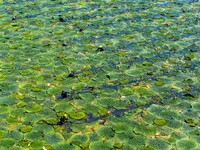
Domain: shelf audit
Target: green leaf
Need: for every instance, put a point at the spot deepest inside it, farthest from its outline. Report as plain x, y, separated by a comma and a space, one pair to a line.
100, 145
105, 132
160, 122
79, 139
54, 138
33, 107
77, 115
34, 135
186, 143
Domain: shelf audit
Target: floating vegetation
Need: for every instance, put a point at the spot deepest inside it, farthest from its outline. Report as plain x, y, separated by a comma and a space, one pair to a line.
160, 122
99, 75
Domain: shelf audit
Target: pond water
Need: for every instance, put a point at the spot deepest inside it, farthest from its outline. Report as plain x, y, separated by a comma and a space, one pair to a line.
123, 73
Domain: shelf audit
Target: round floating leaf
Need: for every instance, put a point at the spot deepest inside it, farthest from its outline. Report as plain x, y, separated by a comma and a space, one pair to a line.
79, 139
21, 104
2, 133
45, 128
65, 146
25, 85
125, 91
148, 130
137, 141
121, 104
196, 106
36, 89
18, 112
159, 83
174, 124
160, 122
24, 143
186, 143
100, 145
26, 72
7, 142
37, 144
51, 121
54, 138
118, 145
121, 127
4, 109
16, 135
105, 132
59, 78
86, 96
77, 115
63, 106
102, 111
143, 91
19, 96
191, 122
194, 134
15, 148
25, 129
158, 144
2, 77
34, 135
54, 90
33, 107
10, 58
77, 127
106, 101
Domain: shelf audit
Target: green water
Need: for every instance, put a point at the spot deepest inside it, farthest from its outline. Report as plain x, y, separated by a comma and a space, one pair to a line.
130, 70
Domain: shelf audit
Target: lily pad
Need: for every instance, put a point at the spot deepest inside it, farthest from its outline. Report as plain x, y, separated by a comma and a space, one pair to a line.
79, 139
65, 146
159, 83
160, 122
191, 122
7, 142
186, 143
77, 115
54, 138
16, 135
33, 107
105, 132
148, 130
125, 91
34, 135
158, 144
25, 129
100, 145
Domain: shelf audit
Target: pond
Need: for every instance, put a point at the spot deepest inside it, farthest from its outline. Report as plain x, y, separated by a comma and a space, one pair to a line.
99, 75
